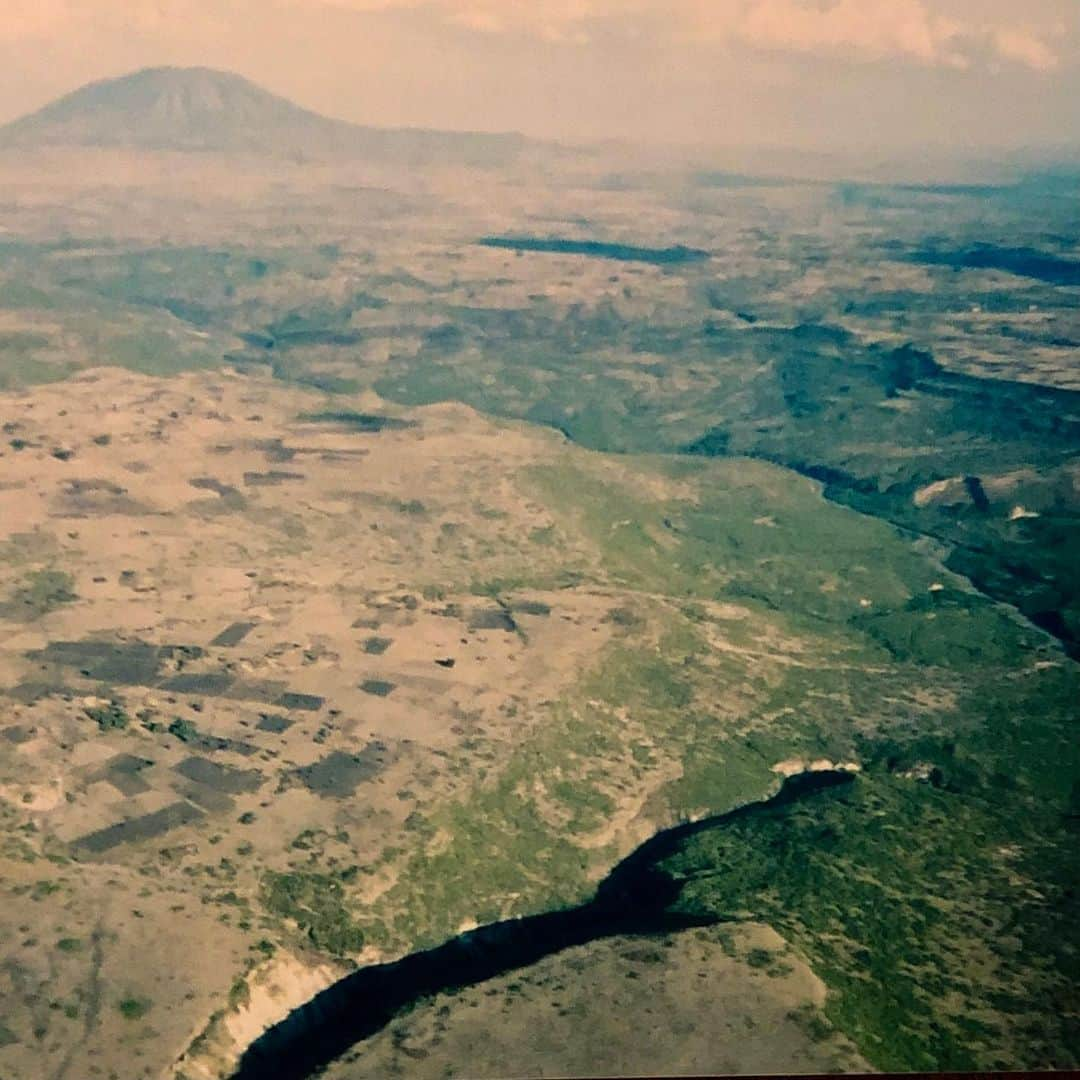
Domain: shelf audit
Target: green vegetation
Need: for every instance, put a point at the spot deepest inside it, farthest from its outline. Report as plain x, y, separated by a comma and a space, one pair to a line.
759, 958
812, 1022
743, 531
911, 890
110, 717
770, 625
183, 729
529, 831
134, 1008
316, 903
239, 992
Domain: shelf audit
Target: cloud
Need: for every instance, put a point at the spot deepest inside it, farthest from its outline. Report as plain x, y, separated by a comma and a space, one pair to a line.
869, 29
940, 33
555, 20
1023, 47
947, 33
33, 20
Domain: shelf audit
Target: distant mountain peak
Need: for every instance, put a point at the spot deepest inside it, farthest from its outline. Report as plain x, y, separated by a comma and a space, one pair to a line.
175, 108
203, 109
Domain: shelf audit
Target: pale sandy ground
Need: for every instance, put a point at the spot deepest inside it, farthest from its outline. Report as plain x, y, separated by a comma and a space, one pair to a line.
376, 536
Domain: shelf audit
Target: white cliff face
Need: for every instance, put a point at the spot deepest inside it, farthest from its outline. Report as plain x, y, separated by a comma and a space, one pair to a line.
274, 990
942, 493
795, 766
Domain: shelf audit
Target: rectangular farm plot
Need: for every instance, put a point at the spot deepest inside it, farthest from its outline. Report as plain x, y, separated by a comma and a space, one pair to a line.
271, 479
30, 691
276, 725
129, 784
496, 618
365, 423
206, 798
210, 683
133, 663
339, 774
267, 691
146, 827
233, 635
536, 608
221, 778
378, 687
301, 702
123, 773
215, 743
18, 734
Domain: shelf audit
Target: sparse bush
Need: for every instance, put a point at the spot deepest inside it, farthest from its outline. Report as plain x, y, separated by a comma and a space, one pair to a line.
239, 992
812, 1022
759, 958
624, 618
133, 1008
184, 730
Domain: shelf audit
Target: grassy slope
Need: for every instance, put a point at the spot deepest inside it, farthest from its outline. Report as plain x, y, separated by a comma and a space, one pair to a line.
941, 913
938, 912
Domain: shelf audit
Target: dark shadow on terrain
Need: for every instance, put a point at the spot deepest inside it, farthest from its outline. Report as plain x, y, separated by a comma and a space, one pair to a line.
597, 250
633, 900
1024, 262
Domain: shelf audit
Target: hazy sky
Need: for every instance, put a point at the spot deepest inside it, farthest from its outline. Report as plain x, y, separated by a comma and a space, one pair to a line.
888, 73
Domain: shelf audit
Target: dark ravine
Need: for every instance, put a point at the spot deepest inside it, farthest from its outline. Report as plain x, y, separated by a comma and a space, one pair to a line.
1025, 576
996, 578
635, 899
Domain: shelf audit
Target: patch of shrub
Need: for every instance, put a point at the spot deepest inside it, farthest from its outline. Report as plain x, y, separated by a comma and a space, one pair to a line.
182, 729
133, 1008
316, 903
110, 717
